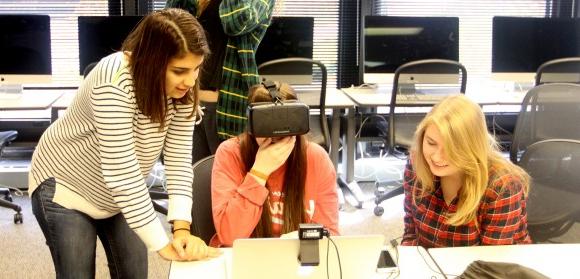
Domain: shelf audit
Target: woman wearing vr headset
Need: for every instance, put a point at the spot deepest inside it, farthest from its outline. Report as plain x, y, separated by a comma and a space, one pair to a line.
459, 189
266, 187
87, 176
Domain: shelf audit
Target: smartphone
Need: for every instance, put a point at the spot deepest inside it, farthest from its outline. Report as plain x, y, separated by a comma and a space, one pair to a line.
386, 262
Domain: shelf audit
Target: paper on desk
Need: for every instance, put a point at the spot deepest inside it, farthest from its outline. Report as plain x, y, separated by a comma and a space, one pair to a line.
216, 268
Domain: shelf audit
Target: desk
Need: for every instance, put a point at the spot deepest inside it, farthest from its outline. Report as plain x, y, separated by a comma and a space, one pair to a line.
218, 268
61, 104
31, 100
552, 260
337, 100
412, 263
491, 102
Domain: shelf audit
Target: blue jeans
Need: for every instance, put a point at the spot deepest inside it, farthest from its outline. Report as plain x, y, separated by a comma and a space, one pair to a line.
71, 237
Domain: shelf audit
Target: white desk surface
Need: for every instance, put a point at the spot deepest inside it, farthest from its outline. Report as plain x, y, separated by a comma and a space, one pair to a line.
64, 101
31, 100
412, 263
335, 98
415, 262
217, 268
552, 260
382, 97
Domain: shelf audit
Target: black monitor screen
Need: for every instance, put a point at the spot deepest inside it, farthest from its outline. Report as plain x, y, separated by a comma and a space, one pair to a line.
100, 36
523, 44
288, 37
25, 45
390, 42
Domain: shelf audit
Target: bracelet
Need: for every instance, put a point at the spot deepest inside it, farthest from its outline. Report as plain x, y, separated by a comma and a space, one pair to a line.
180, 229
259, 174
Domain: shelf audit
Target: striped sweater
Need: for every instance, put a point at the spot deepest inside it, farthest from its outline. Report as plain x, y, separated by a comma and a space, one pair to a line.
103, 147
245, 22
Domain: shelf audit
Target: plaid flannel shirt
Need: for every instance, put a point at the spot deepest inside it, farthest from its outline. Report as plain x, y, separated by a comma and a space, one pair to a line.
501, 215
245, 22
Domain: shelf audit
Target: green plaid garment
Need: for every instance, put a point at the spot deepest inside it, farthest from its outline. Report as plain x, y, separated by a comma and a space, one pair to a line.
245, 22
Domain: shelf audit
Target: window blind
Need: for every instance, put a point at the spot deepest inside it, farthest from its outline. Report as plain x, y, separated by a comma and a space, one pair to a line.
475, 23
325, 13
63, 29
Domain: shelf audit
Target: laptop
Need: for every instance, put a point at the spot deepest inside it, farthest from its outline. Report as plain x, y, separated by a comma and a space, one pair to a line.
258, 258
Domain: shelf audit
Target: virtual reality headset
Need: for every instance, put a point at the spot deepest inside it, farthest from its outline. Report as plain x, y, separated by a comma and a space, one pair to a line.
277, 118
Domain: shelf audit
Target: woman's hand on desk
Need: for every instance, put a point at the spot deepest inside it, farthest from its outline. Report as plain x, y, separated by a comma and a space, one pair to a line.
186, 247
192, 248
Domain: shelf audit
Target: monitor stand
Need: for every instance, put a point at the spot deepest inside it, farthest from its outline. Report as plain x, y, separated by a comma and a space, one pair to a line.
10, 91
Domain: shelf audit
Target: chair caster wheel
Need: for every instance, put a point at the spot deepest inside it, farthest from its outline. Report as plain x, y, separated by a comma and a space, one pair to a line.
18, 218
379, 211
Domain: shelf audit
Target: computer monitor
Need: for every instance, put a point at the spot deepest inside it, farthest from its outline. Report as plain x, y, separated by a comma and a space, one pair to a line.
287, 37
100, 36
520, 45
389, 42
25, 55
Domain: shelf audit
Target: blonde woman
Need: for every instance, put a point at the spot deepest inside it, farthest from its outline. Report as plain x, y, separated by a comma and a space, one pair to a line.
459, 190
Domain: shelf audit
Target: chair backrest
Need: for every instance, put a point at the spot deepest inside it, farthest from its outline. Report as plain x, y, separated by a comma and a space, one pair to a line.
313, 95
549, 111
559, 70
89, 68
201, 213
402, 128
554, 166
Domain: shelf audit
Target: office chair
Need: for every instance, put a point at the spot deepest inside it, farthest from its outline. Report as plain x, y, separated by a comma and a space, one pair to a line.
558, 71
307, 91
311, 94
552, 206
6, 137
548, 111
402, 126
201, 211
89, 68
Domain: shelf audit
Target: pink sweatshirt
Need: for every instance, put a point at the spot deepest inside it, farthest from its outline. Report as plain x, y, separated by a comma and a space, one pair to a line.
238, 199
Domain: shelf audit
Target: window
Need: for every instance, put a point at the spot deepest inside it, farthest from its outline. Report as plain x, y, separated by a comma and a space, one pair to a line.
475, 23
63, 24
325, 13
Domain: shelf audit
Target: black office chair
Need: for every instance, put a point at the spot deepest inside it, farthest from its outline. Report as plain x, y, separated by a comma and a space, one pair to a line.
402, 126
553, 202
201, 211
312, 94
561, 70
89, 68
6, 137
549, 111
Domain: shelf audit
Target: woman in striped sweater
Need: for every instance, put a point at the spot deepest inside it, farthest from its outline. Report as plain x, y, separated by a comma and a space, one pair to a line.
87, 173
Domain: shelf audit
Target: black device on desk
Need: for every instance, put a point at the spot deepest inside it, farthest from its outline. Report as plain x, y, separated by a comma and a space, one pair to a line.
386, 262
277, 118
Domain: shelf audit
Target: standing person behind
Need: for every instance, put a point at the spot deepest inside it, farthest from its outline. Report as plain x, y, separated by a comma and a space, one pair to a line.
234, 29
87, 172
459, 189
265, 187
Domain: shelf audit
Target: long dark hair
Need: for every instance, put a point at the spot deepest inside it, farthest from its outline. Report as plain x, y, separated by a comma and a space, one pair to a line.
159, 37
295, 176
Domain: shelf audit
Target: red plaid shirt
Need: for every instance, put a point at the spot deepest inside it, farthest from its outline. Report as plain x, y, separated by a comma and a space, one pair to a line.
501, 215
